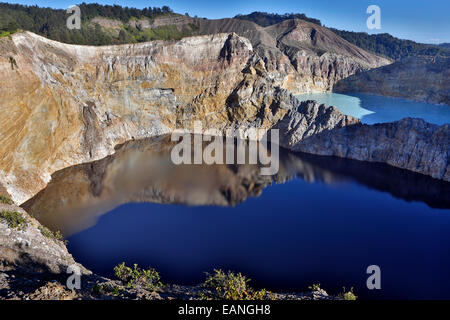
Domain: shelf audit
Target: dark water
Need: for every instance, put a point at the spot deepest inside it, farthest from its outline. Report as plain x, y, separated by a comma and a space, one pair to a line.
320, 220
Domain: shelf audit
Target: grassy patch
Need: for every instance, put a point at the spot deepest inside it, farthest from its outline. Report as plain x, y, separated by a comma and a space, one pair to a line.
131, 34
232, 286
14, 219
148, 278
314, 287
106, 288
5, 200
347, 295
4, 33
46, 232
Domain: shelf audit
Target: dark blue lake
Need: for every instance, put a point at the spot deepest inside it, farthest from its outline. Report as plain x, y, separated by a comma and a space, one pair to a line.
320, 220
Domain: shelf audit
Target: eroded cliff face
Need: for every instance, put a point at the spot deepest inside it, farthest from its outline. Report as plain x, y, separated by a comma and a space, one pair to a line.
301, 56
64, 104
425, 79
411, 144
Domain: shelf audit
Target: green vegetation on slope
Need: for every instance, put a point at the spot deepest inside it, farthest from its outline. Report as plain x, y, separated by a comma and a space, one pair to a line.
51, 23
5, 200
130, 34
149, 278
389, 46
46, 232
267, 19
14, 219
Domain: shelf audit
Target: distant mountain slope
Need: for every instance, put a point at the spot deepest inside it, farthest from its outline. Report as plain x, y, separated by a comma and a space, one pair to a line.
389, 46
302, 55
104, 25
383, 44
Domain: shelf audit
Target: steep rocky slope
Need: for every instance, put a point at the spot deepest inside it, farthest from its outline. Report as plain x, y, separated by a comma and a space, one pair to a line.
300, 55
25, 248
411, 144
417, 78
66, 104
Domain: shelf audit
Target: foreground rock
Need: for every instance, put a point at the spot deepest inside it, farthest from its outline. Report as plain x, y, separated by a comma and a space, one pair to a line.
25, 247
425, 79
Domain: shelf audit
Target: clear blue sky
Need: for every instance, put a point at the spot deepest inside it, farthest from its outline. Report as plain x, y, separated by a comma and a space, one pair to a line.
419, 20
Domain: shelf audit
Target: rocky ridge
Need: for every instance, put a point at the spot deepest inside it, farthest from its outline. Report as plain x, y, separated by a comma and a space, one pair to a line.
411, 144
69, 104
424, 79
301, 56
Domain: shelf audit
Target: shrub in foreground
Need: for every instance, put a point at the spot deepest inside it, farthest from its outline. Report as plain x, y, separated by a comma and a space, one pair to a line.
14, 219
232, 286
46, 232
5, 200
149, 278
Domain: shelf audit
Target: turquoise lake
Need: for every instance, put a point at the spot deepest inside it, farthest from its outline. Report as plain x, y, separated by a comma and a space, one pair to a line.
378, 109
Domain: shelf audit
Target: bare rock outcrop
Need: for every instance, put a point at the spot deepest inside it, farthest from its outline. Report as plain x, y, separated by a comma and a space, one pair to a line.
26, 247
411, 144
299, 55
308, 119
425, 79
65, 104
